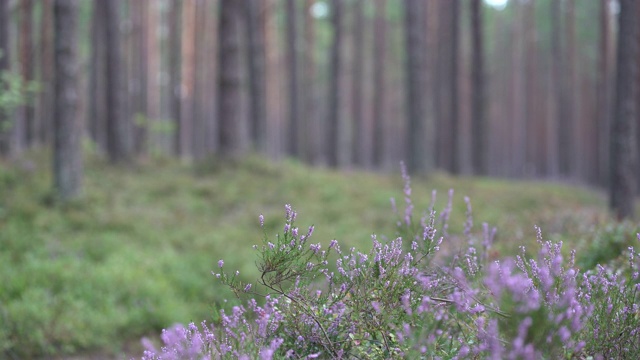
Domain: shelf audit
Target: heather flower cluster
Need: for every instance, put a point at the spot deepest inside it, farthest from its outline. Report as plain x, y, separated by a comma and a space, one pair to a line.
315, 300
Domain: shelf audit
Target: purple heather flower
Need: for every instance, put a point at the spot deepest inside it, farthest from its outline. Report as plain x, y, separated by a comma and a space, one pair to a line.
247, 288
220, 263
261, 217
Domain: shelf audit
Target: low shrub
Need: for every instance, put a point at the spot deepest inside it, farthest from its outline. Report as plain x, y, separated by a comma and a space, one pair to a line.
399, 300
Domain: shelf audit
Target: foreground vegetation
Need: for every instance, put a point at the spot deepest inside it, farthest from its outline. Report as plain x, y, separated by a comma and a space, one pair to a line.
136, 254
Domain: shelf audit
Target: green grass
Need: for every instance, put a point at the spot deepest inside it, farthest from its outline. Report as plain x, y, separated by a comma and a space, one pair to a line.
136, 253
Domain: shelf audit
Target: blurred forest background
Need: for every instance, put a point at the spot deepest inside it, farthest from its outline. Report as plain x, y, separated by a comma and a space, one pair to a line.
171, 124
520, 88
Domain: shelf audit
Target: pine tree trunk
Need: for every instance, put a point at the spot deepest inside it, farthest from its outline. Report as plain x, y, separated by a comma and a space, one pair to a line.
5, 121
358, 150
229, 79
314, 145
174, 21
622, 189
67, 151
26, 62
379, 83
45, 103
117, 126
293, 135
335, 91
187, 77
414, 76
479, 138
254, 19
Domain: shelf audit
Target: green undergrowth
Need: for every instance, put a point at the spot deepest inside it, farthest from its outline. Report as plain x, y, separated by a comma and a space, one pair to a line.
135, 255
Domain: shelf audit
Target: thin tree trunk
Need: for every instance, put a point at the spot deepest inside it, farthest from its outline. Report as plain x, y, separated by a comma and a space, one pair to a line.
153, 72
67, 150
603, 120
453, 78
118, 147
294, 120
26, 61
97, 106
175, 17
335, 93
417, 159
5, 121
45, 102
314, 149
479, 138
357, 104
254, 10
229, 79
622, 189
379, 82
187, 78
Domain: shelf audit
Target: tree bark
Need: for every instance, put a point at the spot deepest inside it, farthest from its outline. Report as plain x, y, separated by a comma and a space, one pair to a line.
603, 87
335, 92
26, 61
453, 78
97, 106
293, 136
229, 79
187, 78
379, 82
118, 148
45, 103
254, 10
314, 148
357, 103
622, 189
479, 138
67, 151
5, 121
416, 155
175, 17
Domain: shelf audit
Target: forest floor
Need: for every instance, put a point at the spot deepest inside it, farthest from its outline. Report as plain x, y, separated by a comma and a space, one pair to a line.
136, 254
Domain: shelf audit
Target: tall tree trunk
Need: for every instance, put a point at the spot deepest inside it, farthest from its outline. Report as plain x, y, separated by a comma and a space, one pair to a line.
379, 82
358, 83
45, 103
175, 17
200, 69
254, 10
603, 120
417, 157
314, 150
335, 91
67, 151
531, 116
229, 79
274, 77
5, 121
479, 138
453, 78
563, 118
622, 188
293, 135
138, 16
26, 61
153, 71
572, 91
97, 106
188, 77
118, 147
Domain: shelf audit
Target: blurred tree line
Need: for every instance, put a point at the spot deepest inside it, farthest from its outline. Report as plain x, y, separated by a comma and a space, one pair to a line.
522, 89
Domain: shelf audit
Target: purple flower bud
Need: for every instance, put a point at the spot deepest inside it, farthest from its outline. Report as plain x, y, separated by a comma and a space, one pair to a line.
220, 263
